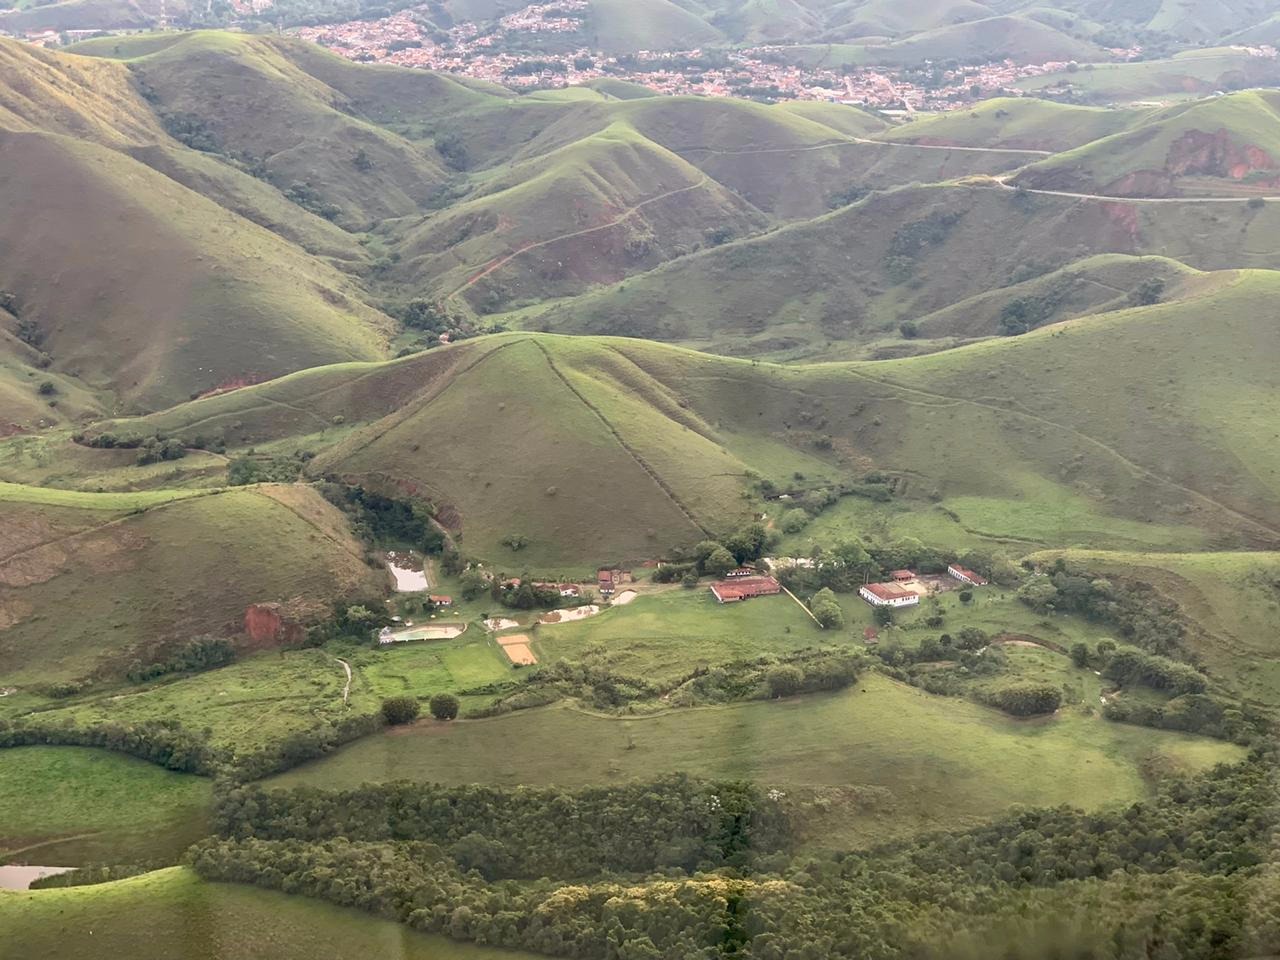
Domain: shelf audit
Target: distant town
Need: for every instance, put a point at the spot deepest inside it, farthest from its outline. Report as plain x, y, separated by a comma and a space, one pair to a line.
757, 72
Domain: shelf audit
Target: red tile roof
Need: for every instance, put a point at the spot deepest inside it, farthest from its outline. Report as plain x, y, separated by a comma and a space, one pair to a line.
890, 591
745, 587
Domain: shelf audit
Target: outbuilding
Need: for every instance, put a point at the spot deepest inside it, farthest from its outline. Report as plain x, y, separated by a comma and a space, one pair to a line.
889, 595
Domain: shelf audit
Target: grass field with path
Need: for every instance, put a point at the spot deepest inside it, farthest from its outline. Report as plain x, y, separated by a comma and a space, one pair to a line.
664, 635
260, 700
173, 915
928, 761
118, 808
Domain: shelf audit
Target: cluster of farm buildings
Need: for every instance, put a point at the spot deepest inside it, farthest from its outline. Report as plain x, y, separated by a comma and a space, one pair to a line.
904, 588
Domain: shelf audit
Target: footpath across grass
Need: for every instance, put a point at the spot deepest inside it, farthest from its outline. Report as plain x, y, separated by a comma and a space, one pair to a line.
911, 761
69, 805
664, 635
173, 915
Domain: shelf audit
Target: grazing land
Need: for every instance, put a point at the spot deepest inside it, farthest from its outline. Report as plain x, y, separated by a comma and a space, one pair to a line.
73, 805
927, 761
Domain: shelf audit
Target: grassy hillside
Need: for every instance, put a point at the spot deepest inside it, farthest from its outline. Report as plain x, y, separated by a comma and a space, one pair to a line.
1093, 285
885, 18
595, 211
1231, 597
165, 293
254, 102
1227, 145
63, 806
173, 915
1190, 73
1017, 123
672, 434
141, 571
618, 26
994, 38
968, 41
925, 760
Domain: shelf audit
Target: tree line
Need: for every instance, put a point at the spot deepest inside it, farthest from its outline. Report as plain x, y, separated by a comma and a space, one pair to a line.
525, 832
1185, 875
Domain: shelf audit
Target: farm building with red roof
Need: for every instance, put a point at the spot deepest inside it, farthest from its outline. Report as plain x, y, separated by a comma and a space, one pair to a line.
965, 575
744, 588
889, 595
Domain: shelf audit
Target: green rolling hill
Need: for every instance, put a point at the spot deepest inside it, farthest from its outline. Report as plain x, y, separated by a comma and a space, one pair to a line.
677, 433
1016, 123
135, 572
1229, 146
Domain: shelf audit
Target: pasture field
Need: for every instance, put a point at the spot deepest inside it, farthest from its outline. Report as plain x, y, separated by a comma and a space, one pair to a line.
664, 635
63, 806
1232, 598
993, 609
171, 913
260, 700
927, 761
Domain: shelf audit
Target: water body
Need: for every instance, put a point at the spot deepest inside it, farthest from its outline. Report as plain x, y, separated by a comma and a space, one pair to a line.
16, 877
408, 580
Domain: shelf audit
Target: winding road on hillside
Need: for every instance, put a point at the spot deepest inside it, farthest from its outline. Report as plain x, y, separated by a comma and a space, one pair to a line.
499, 264
346, 690
1004, 183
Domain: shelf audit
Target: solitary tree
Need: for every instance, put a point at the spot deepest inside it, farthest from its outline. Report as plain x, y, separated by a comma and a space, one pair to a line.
444, 706
398, 710
719, 562
826, 609
1080, 655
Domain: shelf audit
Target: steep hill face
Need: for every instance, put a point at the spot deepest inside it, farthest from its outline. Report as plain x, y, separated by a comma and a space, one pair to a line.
1227, 146
164, 293
241, 96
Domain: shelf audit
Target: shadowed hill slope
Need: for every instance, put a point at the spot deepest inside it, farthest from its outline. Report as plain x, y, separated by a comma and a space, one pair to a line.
164, 293
856, 274
253, 102
144, 571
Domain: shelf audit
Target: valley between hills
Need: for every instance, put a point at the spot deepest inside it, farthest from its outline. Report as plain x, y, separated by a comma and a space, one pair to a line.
383, 453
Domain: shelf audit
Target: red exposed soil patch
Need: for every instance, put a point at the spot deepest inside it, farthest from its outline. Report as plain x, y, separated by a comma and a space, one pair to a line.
1123, 217
268, 625
1197, 153
234, 383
